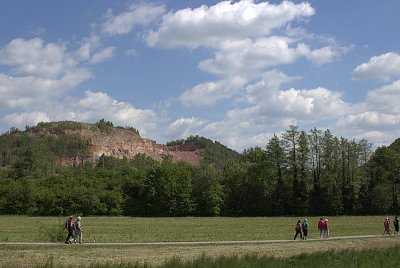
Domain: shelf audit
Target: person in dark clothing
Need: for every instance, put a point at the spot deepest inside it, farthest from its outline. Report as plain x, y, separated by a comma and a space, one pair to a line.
70, 225
305, 229
298, 230
396, 225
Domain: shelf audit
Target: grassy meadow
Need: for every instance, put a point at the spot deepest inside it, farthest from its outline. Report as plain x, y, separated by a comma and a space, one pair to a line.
124, 229
127, 229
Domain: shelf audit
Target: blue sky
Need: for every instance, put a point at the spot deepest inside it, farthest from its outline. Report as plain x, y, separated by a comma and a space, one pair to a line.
232, 71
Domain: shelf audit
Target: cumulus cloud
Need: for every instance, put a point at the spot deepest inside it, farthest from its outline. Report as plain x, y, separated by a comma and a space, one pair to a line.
95, 105
242, 35
327, 54
208, 94
311, 104
371, 120
227, 20
385, 99
137, 15
382, 67
33, 57
30, 91
248, 56
377, 119
184, 127
89, 108
268, 106
20, 120
40, 72
267, 99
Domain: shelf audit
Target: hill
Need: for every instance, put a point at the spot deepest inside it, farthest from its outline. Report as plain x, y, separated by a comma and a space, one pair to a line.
71, 143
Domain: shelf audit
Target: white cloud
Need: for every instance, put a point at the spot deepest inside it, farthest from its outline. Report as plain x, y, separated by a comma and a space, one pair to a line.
88, 46
90, 108
385, 99
28, 91
327, 54
137, 15
208, 94
90, 51
227, 20
311, 104
377, 119
270, 108
184, 127
267, 86
248, 56
371, 120
96, 105
20, 120
382, 67
131, 52
33, 57
268, 100
102, 55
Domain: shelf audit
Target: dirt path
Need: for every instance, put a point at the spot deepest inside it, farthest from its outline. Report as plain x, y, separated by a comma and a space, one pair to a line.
169, 243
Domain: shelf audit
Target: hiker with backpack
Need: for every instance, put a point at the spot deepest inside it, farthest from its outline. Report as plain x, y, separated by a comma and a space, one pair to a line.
298, 230
70, 226
305, 229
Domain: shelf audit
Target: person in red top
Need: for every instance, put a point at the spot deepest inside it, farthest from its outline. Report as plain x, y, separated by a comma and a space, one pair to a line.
70, 225
386, 224
320, 226
298, 230
325, 229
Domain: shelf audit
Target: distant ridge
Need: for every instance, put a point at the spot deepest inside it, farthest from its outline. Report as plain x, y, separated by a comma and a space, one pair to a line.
74, 143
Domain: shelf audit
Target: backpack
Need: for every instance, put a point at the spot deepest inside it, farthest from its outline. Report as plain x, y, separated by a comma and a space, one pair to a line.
298, 227
305, 225
66, 224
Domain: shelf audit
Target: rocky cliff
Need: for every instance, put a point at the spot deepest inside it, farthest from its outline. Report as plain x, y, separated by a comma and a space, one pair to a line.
120, 143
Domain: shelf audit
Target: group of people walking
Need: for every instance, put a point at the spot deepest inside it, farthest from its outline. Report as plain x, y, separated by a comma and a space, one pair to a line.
74, 230
386, 225
302, 229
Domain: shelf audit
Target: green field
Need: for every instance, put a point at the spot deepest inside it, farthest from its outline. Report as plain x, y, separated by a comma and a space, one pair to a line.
126, 229
123, 229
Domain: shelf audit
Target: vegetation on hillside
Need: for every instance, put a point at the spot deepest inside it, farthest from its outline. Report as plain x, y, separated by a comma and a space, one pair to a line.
297, 173
215, 153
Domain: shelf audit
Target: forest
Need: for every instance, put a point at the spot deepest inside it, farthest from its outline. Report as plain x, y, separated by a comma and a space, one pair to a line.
295, 173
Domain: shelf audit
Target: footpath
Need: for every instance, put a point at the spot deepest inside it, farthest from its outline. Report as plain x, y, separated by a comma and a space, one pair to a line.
169, 243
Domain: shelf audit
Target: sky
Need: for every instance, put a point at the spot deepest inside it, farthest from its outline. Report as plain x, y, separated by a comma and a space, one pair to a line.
236, 72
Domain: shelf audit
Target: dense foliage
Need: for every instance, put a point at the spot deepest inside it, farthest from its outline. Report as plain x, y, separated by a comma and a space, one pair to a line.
297, 173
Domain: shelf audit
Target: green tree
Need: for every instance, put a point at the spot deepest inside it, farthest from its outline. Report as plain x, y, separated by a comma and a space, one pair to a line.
207, 191
276, 156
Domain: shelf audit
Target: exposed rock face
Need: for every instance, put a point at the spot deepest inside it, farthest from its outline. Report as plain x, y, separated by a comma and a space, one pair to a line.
120, 143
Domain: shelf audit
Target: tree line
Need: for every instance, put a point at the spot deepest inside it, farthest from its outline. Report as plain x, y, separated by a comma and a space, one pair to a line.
295, 173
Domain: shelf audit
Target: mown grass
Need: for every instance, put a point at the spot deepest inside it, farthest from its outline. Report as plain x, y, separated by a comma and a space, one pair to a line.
346, 258
125, 229
386, 257
61, 255
128, 229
